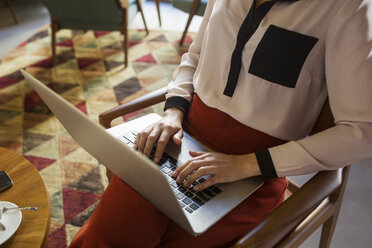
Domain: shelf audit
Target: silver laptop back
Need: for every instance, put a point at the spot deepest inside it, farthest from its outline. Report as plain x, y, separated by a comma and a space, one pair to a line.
136, 169
131, 166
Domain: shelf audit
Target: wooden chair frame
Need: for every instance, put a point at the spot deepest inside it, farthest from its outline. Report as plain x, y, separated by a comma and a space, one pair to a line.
316, 203
193, 9
158, 8
12, 11
123, 30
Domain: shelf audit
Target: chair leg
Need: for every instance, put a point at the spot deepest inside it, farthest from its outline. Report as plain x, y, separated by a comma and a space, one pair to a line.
54, 27
327, 231
12, 11
124, 31
330, 225
158, 8
139, 6
194, 7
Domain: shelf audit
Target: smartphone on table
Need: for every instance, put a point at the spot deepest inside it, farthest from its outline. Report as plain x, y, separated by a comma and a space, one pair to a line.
5, 181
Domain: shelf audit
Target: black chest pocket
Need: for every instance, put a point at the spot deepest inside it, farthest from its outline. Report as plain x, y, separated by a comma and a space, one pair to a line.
280, 55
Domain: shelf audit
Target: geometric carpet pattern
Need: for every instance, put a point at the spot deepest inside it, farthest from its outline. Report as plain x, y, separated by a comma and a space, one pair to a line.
89, 73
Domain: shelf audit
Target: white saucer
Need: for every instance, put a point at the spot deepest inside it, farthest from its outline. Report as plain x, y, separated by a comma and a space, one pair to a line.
11, 219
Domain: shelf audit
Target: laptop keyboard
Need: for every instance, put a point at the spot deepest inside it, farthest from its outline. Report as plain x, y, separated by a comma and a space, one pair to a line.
188, 198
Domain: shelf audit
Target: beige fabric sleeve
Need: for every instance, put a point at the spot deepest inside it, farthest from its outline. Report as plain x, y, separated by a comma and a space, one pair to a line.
182, 81
348, 70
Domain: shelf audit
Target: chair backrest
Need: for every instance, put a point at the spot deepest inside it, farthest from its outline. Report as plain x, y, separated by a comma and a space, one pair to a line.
325, 119
102, 10
185, 6
87, 14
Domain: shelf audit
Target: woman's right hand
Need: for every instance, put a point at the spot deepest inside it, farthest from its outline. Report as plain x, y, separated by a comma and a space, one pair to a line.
160, 132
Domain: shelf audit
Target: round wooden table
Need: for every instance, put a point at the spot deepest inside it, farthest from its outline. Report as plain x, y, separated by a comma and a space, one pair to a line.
28, 190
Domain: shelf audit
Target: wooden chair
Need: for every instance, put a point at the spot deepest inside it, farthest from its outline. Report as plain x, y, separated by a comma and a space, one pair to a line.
316, 203
93, 15
158, 8
12, 11
193, 7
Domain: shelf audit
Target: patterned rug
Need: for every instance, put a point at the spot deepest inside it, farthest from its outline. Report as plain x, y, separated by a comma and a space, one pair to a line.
90, 74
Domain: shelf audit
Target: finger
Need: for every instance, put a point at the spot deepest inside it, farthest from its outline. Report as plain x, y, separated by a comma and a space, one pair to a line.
151, 140
162, 143
209, 182
196, 153
189, 169
180, 168
201, 171
136, 142
177, 138
177, 171
142, 138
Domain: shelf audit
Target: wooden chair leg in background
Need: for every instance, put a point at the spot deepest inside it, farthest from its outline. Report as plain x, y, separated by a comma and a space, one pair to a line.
158, 8
194, 7
54, 27
12, 11
139, 6
124, 31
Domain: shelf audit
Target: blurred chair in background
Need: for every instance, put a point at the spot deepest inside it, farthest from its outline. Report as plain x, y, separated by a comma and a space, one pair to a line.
158, 8
193, 7
110, 15
12, 10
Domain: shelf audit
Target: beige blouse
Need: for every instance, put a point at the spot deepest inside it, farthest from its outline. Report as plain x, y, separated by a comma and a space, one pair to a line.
272, 69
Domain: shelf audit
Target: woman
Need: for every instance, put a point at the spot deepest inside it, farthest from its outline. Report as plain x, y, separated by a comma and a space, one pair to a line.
251, 86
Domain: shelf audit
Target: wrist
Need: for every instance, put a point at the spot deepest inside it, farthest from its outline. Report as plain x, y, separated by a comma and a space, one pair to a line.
252, 167
174, 112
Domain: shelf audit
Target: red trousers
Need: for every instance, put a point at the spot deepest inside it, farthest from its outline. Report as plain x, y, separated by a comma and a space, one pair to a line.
124, 218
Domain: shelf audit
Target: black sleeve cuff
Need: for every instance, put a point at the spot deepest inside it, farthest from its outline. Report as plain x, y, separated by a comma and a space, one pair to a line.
177, 102
266, 164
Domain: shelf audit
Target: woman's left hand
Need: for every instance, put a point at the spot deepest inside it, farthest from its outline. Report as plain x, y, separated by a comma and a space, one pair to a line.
221, 167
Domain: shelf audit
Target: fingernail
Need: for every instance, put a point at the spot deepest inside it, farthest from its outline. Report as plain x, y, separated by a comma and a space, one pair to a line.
174, 174
186, 184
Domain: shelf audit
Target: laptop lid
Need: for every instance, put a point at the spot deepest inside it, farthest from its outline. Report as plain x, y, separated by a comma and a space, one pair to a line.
136, 169
131, 166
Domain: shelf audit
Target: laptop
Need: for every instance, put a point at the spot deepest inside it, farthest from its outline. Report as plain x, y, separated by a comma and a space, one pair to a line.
194, 211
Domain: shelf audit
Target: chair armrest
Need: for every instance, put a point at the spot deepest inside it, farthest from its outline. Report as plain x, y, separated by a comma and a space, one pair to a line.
291, 212
293, 186
123, 3
147, 100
